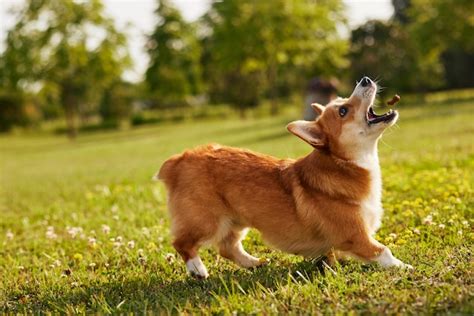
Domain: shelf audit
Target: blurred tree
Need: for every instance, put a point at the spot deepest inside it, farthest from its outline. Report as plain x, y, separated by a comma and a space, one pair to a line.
443, 30
11, 110
116, 103
428, 44
385, 50
254, 48
64, 46
401, 10
174, 69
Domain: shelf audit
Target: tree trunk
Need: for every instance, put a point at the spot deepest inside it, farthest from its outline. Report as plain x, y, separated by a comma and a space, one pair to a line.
242, 113
272, 79
274, 106
71, 120
69, 102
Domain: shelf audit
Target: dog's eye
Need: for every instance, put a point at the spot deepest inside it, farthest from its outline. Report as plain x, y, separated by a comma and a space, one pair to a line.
343, 111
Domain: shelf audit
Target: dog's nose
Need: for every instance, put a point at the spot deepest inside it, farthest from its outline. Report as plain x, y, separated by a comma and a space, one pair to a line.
365, 81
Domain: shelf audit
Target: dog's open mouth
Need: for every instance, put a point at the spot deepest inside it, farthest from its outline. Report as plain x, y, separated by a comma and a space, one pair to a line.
373, 118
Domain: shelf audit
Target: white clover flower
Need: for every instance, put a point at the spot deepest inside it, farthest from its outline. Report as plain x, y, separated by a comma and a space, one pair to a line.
442, 226
105, 229
114, 208
140, 252
169, 257
416, 231
50, 234
393, 235
57, 263
145, 231
465, 223
9, 235
117, 244
460, 232
428, 220
92, 265
92, 241
74, 231
119, 238
131, 244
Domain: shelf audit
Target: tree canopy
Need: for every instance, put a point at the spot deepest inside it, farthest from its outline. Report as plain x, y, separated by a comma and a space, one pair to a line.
259, 48
69, 48
174, 70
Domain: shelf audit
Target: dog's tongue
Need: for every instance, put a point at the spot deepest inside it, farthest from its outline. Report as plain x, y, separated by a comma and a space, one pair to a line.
371, 114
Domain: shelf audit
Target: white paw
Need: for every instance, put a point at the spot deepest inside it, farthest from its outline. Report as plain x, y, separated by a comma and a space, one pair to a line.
407, 266
386, 259
196, 268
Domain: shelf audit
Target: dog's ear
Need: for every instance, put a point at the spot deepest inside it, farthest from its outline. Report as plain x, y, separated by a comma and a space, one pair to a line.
318, 108
309, 132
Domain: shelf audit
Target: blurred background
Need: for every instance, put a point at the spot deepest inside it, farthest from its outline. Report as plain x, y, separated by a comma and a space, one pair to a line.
72, 66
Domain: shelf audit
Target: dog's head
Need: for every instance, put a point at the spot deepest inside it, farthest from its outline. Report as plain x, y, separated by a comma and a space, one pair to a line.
349, 127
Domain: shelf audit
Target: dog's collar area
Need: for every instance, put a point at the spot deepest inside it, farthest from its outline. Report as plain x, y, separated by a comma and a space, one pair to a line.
373, 118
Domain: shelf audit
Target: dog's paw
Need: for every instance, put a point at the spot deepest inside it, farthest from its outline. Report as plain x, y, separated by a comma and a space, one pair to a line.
199, 276
406, 266
263, 262
258, 262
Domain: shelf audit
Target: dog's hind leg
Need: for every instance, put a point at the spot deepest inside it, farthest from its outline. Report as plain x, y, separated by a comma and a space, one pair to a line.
189, 235
230, 247
368, 249
188, 250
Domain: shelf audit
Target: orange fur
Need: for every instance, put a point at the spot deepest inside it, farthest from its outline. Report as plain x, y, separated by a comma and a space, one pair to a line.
306, 206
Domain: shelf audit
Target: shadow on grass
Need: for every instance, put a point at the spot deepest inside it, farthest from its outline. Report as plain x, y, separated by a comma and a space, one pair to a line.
172, 296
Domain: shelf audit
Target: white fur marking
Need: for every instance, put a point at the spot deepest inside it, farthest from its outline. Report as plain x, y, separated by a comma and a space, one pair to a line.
196, 267
371, 209
386, 259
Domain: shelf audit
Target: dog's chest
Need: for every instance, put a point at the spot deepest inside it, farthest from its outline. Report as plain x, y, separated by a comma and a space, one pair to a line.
371, 207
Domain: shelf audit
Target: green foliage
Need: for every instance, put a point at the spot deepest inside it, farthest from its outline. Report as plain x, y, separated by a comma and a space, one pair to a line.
385, 50
442, 31
443, 24
56, 256
266, 48
174, 71
426, 45
11, 110
116, 104
67, 47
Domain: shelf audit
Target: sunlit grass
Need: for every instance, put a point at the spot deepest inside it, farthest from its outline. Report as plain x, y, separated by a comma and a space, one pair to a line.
84, 229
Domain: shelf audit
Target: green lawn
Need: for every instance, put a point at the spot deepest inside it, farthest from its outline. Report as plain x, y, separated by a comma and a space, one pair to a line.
59, 200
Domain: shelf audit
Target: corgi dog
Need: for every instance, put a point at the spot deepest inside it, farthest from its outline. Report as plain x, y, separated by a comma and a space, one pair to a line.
328, 200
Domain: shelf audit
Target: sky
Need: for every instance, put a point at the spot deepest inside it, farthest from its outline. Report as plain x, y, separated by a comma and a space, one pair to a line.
136, 18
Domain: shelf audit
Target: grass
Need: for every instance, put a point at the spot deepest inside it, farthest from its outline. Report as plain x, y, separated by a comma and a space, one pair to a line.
83, 229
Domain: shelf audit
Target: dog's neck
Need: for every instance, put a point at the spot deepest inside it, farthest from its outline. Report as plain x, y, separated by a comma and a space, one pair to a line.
340, 178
